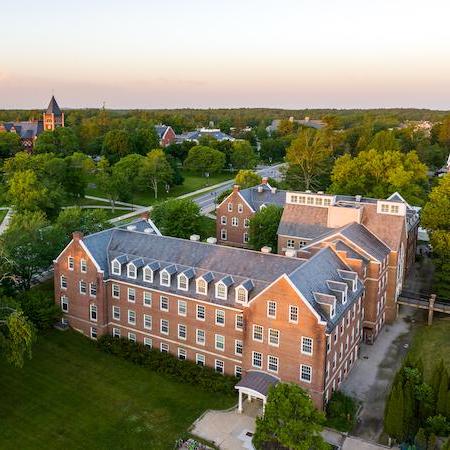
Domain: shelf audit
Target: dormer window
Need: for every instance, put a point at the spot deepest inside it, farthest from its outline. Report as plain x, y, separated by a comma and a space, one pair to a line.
131, 271
241, 295
183, 282
164, 278
221, 291
148, 274
116, 268
262, 207
202, 286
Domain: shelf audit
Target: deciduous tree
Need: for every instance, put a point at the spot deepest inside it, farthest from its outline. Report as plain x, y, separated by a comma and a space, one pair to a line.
155, 171
204, 160
264, 226
247, 178
9, 144
243, 156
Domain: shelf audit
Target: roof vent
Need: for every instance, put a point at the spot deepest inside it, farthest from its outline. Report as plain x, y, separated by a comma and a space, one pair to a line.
148, 230
291, 253
131, 227
266, 249
211, 240
260, 188
358, 198
195, 237
308, 192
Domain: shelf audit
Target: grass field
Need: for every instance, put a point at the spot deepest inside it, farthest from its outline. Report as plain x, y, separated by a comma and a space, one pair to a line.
431, 344
191, 183
71, 396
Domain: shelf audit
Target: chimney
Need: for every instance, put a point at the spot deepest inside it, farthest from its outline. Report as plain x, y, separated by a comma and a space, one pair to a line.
211, 240
195, 237
358, 198
291, 253
236, 188
266, 249
145, 215
77, 236
264, 180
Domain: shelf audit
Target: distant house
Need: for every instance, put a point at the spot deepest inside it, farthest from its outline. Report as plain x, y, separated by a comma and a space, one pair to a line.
28, 131
166, 135
195, 136
306, 122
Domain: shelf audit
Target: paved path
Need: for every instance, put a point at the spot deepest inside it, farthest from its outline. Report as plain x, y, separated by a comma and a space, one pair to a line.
121, 208
101, 199
6, 220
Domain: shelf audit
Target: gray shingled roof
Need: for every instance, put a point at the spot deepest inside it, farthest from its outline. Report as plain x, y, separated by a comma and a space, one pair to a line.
160, 130
257, 381
53, 107
302, 230
26, 130
256, 199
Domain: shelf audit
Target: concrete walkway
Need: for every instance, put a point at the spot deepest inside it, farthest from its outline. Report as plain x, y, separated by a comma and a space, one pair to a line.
371, 377
6, 220
101, 199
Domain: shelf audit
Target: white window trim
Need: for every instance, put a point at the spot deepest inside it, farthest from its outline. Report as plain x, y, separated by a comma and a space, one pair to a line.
115, 308
216, 315
253, 360
204, 312
269, 316
96, 333
262, 333
180, 325
133, 277
91, 307
128, 295
196, 337
71, 263
236, 341
164, 271
79, 287
235, 322
180, 276
237, 295
83, 262
161, 327
144, 317
146, 305
116, 332
182, 351
132, 336
128, 317
301, 373
290, 320
217, 291
223, 365
199, 357
61, 278
112, 290
64, 300
223, 220
181, 302
278, 363
268, 337
164, 345
215, 342
145, 271
197, 290
148, 342
160, 303
90, 289
312, 346
113, 270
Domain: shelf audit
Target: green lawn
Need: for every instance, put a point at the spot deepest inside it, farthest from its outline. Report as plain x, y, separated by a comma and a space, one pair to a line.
72, 396
431, 344
191, 183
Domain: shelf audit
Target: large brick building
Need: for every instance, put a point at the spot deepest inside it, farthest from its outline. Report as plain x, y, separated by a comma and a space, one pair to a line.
28, 131
376, 237
260, 316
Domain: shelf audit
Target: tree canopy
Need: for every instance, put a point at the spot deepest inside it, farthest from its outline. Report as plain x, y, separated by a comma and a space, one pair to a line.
264, 226
204, 160
243, 156
290, 420
247, 178
156, 171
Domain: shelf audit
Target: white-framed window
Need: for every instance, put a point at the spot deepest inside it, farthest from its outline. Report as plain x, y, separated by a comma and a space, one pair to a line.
238, 347
183, 282
223, 220
65, 303
182, 308
230, 207
271, 309
202, 286
83, 265
293, 314
290, 243
274, 337
200, 312
234, 222
93, 333
93, 312
147, 275
83, 287
147, 322
163, 303
164, 347
93, 289
238, 371
164, 326
131, 317
246, 223
63, 282
306, 373
182, 353
116, 312
199, 359
220, 317
147, 299
223, 234
221, 291
115, 289
258, 333
200, 338
116, 268
131, 336
257, 360
182, 331
219, 366
245, 238
116, 332
307, 345
131, 271
70, 263
239, 322
148, 342
241, 295
220, 342
164, 278
240, 208
131, 295
272, 363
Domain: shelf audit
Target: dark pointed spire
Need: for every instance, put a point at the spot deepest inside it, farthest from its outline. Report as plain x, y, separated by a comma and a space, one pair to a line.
53, 107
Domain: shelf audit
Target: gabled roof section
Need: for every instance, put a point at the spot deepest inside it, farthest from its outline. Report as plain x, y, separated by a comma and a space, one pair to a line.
263, 194
53, 107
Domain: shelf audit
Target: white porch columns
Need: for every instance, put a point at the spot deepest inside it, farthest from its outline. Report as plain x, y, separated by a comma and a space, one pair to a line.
240, 402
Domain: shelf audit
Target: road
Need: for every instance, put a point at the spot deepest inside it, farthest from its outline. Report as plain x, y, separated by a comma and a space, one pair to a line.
207, 201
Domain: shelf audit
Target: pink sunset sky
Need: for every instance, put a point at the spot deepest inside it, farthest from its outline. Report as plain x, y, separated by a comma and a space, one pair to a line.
210, 53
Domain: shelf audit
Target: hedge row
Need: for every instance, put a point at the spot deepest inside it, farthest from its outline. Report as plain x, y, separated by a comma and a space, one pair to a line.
184, 371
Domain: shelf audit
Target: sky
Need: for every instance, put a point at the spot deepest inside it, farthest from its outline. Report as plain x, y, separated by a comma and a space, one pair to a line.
230, 53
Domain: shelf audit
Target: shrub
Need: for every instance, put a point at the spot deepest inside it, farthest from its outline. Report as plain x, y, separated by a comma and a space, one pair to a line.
341, 412
438, 425
40, 309
164, 363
